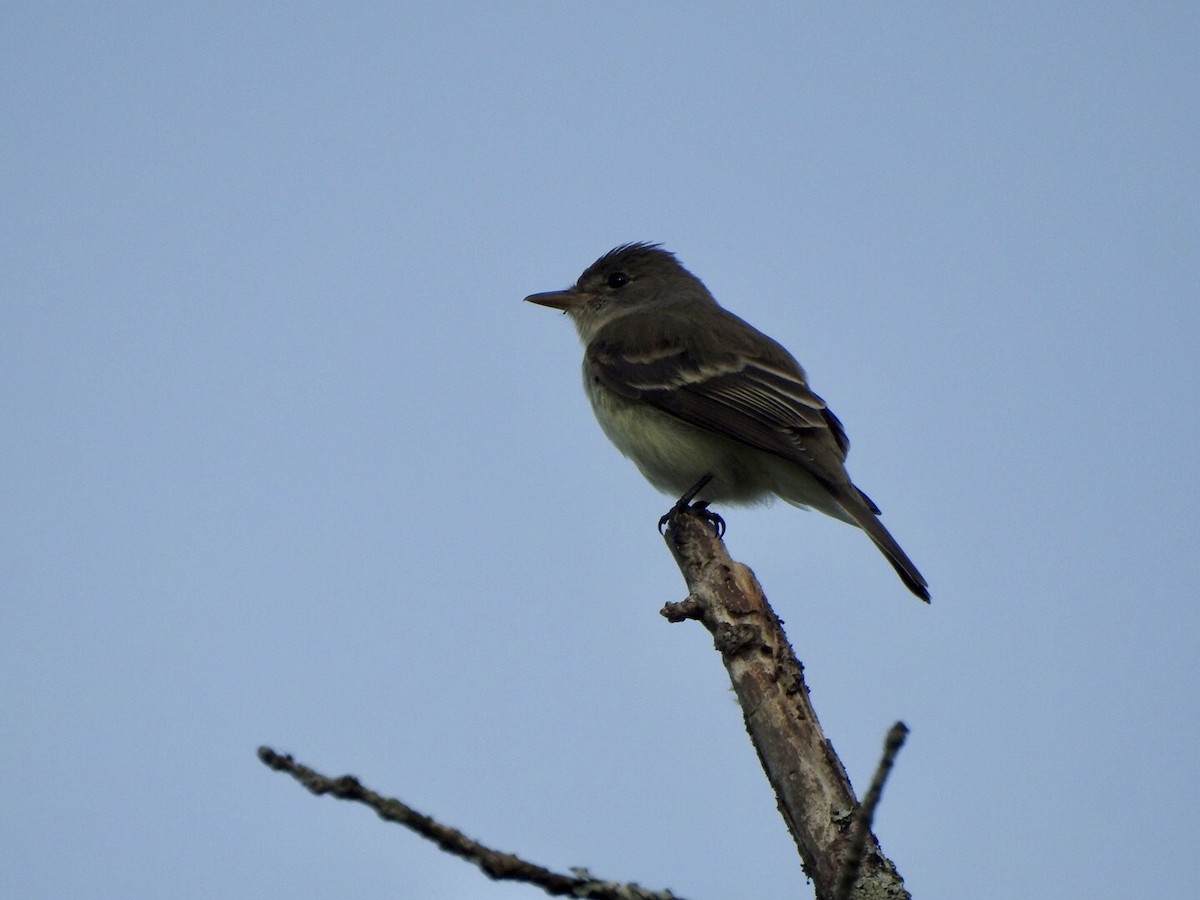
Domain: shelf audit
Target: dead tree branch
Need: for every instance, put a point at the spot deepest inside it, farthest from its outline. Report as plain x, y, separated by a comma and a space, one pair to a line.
832, 831
814, 793
495, 864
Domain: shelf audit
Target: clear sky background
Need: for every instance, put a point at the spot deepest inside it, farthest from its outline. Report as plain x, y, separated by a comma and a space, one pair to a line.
286, 460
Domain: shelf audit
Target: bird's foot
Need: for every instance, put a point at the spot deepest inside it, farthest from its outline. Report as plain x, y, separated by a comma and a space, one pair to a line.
701, 507
717, 523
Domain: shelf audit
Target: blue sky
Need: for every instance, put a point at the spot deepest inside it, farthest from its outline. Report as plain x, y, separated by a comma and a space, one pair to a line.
286, 460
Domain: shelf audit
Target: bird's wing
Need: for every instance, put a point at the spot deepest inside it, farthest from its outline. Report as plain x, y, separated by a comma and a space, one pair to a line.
751, 390
762, 399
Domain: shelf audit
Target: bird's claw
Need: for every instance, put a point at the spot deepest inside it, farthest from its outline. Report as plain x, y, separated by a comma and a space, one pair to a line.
700, 506
717, 523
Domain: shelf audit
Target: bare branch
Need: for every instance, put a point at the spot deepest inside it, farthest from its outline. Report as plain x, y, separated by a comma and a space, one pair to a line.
866, 812
814, 793
493, 863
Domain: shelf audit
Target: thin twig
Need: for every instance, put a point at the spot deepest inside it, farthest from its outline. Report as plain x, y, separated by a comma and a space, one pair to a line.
865, 816
493, 863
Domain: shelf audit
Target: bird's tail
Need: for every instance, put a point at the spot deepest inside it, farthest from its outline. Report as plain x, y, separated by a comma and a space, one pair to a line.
866, 516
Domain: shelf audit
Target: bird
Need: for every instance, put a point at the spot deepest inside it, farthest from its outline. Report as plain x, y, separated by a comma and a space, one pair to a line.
706, 406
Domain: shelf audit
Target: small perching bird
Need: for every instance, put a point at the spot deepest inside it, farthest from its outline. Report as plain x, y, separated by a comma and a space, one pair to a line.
704, 404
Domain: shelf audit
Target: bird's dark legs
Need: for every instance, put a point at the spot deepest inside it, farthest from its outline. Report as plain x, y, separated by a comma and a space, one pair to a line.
685, 502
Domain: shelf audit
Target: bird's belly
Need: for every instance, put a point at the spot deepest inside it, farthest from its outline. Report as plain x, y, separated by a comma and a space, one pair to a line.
673, 455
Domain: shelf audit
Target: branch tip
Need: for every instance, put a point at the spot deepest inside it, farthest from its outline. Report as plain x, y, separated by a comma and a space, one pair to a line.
865, 816
691, 607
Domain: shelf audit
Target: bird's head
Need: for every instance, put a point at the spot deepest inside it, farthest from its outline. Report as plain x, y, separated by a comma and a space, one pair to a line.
632, 278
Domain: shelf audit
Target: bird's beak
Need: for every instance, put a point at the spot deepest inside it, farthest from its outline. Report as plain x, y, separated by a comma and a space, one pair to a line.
565, 300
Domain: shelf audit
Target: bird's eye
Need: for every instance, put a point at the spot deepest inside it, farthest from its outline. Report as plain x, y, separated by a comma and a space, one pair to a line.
617, 279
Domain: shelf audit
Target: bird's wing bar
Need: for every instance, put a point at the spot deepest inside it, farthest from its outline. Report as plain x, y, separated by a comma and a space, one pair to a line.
747, 399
